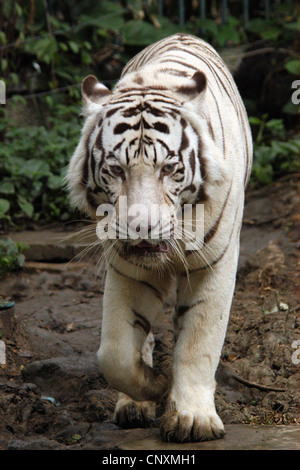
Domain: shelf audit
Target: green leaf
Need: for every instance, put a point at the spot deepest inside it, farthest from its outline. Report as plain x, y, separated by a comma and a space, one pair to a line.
74, 46
254, 120
63, 46
227, 33
264, 174
25, 206
18, 10
256, 25
294, 26
54, 182
4, 205
86, 57
7, 187
140, 33
35, 168
270, 33
291, 108
2, 38
45, 48
209, 26
293, 67
88, 45
4, 64
14, 78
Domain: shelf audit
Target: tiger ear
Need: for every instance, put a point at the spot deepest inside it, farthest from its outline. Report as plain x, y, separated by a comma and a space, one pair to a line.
93, 93
193, 87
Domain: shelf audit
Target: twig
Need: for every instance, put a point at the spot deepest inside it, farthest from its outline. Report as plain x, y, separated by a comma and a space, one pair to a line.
255, 385
265, 50
29, 21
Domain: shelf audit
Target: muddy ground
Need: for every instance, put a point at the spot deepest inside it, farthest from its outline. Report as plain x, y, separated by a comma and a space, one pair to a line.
52, 393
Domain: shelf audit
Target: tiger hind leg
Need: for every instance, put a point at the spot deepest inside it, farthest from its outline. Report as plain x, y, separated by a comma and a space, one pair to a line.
137, 414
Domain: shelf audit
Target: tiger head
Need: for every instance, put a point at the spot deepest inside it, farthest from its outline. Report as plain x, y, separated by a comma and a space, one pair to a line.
145, 145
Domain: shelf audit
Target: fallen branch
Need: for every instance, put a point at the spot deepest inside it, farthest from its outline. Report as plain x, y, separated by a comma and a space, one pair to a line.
255, 385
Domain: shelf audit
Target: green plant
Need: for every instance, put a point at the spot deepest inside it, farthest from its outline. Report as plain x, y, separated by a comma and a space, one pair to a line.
11, 255
220, 34
33, 160
273, 153
49, 45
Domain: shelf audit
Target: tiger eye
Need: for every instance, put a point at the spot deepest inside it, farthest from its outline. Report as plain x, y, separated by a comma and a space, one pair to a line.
167, 169
117, 170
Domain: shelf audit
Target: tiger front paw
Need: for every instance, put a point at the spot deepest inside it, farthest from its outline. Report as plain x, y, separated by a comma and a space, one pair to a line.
134, 414
191, 427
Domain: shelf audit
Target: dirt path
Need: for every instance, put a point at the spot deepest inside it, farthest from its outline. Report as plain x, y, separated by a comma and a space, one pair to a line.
52, 393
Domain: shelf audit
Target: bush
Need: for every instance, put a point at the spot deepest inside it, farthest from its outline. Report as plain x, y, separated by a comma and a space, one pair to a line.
11, 255
274, 154
32, 166
50, 46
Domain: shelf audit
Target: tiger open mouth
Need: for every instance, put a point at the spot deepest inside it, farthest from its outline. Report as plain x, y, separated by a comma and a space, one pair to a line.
145, 248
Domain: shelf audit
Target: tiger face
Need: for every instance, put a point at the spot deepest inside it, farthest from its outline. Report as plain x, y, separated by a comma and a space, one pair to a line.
142, 147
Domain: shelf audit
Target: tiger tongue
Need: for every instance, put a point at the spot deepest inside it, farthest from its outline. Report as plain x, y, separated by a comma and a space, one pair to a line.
160, 247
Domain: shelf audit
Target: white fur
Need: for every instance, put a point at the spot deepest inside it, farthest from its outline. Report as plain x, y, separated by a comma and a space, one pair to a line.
206, 291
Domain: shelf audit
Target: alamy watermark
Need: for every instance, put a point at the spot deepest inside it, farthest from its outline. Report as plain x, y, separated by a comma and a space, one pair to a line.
296, 93
296, 354
151, 222
2, 92
2, 352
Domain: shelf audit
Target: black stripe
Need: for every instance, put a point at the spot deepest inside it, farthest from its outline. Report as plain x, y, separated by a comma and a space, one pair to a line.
213, 230
123, 127
175, 61
98, 141
220, 257
142, 322
177, 73
144, 283
93, 166
191, 188
184, 143
192, 161
141, 92
146, 125
112, 111
163, 144
211, 130
155, 155
117, 146
183, 309
152, 110
161, 127
85, 169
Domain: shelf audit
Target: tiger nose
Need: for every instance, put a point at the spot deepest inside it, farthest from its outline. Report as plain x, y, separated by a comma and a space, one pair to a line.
143, 230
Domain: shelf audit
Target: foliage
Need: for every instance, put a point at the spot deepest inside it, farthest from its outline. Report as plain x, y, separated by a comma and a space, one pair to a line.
11, 255
32, 166
273, 154
57, 42
50, 46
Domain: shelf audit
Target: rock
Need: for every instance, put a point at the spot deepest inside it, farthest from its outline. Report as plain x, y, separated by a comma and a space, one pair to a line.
47, 245
33, 443
64, 377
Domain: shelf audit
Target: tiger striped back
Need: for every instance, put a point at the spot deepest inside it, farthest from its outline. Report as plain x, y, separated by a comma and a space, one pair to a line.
182, 55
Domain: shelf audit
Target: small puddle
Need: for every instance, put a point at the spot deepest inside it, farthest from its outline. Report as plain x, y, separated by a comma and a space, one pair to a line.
237, 437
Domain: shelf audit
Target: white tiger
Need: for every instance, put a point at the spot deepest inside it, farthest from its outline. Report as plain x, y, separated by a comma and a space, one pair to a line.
173, 131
